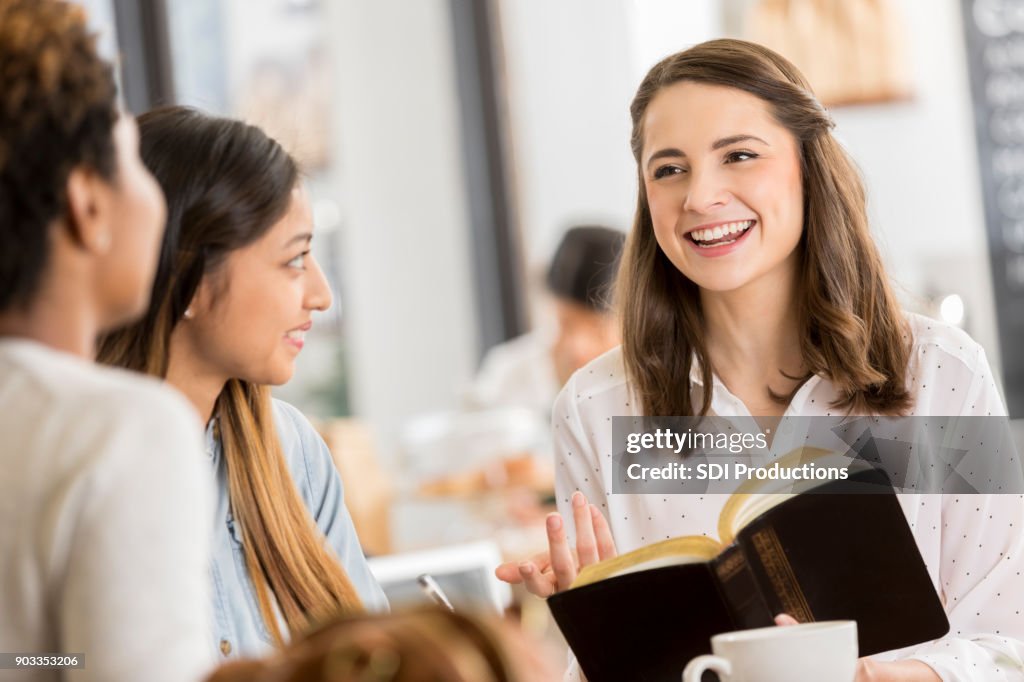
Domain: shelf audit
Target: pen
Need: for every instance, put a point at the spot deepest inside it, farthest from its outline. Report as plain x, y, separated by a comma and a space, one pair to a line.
433, 590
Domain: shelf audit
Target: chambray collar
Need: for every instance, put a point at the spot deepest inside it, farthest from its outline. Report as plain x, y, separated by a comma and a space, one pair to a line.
211, 440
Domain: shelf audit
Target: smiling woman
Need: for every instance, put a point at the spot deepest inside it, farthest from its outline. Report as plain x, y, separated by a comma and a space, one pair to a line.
269, 287
232, 300
751, 288
725, 135
761, 172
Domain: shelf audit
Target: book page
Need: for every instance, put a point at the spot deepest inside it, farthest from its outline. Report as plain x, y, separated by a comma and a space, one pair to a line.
685, 550
754, 497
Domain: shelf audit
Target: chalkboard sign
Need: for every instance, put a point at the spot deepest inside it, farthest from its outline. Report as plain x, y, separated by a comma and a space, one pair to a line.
995, 56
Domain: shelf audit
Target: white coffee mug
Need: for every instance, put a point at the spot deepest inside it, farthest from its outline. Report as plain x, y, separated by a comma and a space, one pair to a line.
809, 652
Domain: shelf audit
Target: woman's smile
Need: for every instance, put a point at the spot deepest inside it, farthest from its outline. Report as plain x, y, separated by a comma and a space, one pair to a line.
719, 239
719, 168
297, 337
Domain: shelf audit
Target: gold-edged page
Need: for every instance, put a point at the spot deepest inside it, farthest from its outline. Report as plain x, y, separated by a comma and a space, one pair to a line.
674, 551
754, 497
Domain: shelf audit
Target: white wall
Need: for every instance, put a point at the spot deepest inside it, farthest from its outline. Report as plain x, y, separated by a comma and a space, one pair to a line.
919, 161
659, 28
100, 17
409, 315
573, 67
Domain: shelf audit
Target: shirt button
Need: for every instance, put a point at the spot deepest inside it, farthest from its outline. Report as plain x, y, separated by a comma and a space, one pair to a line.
225, 647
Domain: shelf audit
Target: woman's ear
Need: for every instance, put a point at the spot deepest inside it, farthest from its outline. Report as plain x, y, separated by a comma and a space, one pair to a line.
202, 299
88, 201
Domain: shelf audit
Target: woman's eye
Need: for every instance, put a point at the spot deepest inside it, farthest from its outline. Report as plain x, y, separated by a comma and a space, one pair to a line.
732, 157
665, 171
298, 262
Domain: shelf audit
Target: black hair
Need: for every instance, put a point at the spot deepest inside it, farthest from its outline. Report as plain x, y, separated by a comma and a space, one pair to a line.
585, 264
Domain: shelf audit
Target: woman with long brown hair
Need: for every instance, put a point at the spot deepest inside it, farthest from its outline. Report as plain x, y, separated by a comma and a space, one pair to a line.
232, 301
751, 287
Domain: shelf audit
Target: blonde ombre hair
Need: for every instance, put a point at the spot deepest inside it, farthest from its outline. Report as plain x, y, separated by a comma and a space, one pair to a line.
852, 330
417, 646
226, 184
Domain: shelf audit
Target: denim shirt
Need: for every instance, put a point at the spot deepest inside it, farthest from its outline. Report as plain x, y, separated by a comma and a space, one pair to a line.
238, 626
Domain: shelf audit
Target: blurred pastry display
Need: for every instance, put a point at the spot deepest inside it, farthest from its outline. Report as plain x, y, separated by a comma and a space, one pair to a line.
522, 471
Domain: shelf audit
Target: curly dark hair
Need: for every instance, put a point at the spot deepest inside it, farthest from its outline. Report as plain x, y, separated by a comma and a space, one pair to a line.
57, 112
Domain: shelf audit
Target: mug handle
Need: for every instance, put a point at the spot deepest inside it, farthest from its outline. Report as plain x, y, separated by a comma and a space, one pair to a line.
696, 667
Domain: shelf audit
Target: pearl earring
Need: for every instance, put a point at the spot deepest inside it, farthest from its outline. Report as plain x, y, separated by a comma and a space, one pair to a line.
188, 314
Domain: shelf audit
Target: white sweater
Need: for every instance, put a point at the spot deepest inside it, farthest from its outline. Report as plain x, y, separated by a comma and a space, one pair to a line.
105, 504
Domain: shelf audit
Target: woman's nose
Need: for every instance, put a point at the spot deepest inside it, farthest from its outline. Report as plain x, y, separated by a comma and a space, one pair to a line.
318, 292
705, 192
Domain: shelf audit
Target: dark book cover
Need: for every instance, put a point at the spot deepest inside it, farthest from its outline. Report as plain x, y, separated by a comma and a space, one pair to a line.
818, 557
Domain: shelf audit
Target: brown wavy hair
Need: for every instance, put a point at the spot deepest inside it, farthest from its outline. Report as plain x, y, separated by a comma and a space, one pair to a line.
852, 330
227, 184
58, 108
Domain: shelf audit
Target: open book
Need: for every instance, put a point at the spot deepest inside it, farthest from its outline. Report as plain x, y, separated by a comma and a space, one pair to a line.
848, 554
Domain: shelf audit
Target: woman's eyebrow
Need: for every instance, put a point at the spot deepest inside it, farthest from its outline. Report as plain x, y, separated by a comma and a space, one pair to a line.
304, 237
733, 139
716, 145
662, 153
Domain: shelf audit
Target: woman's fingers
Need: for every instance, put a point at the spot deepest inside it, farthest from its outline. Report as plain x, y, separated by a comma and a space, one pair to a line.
555, 570
786, 619
536, 581
602, 534
586, 543
562, 562
508, 572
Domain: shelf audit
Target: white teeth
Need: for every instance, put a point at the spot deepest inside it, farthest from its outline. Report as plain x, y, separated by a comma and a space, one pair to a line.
720, 231
708, 246
296, 334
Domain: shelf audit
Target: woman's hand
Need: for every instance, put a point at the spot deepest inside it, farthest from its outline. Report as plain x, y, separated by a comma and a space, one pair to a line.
882, 671
546, 574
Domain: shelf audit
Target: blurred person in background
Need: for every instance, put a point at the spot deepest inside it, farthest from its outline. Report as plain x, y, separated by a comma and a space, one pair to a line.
528, 371
232, 301
427, 645
105, 505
